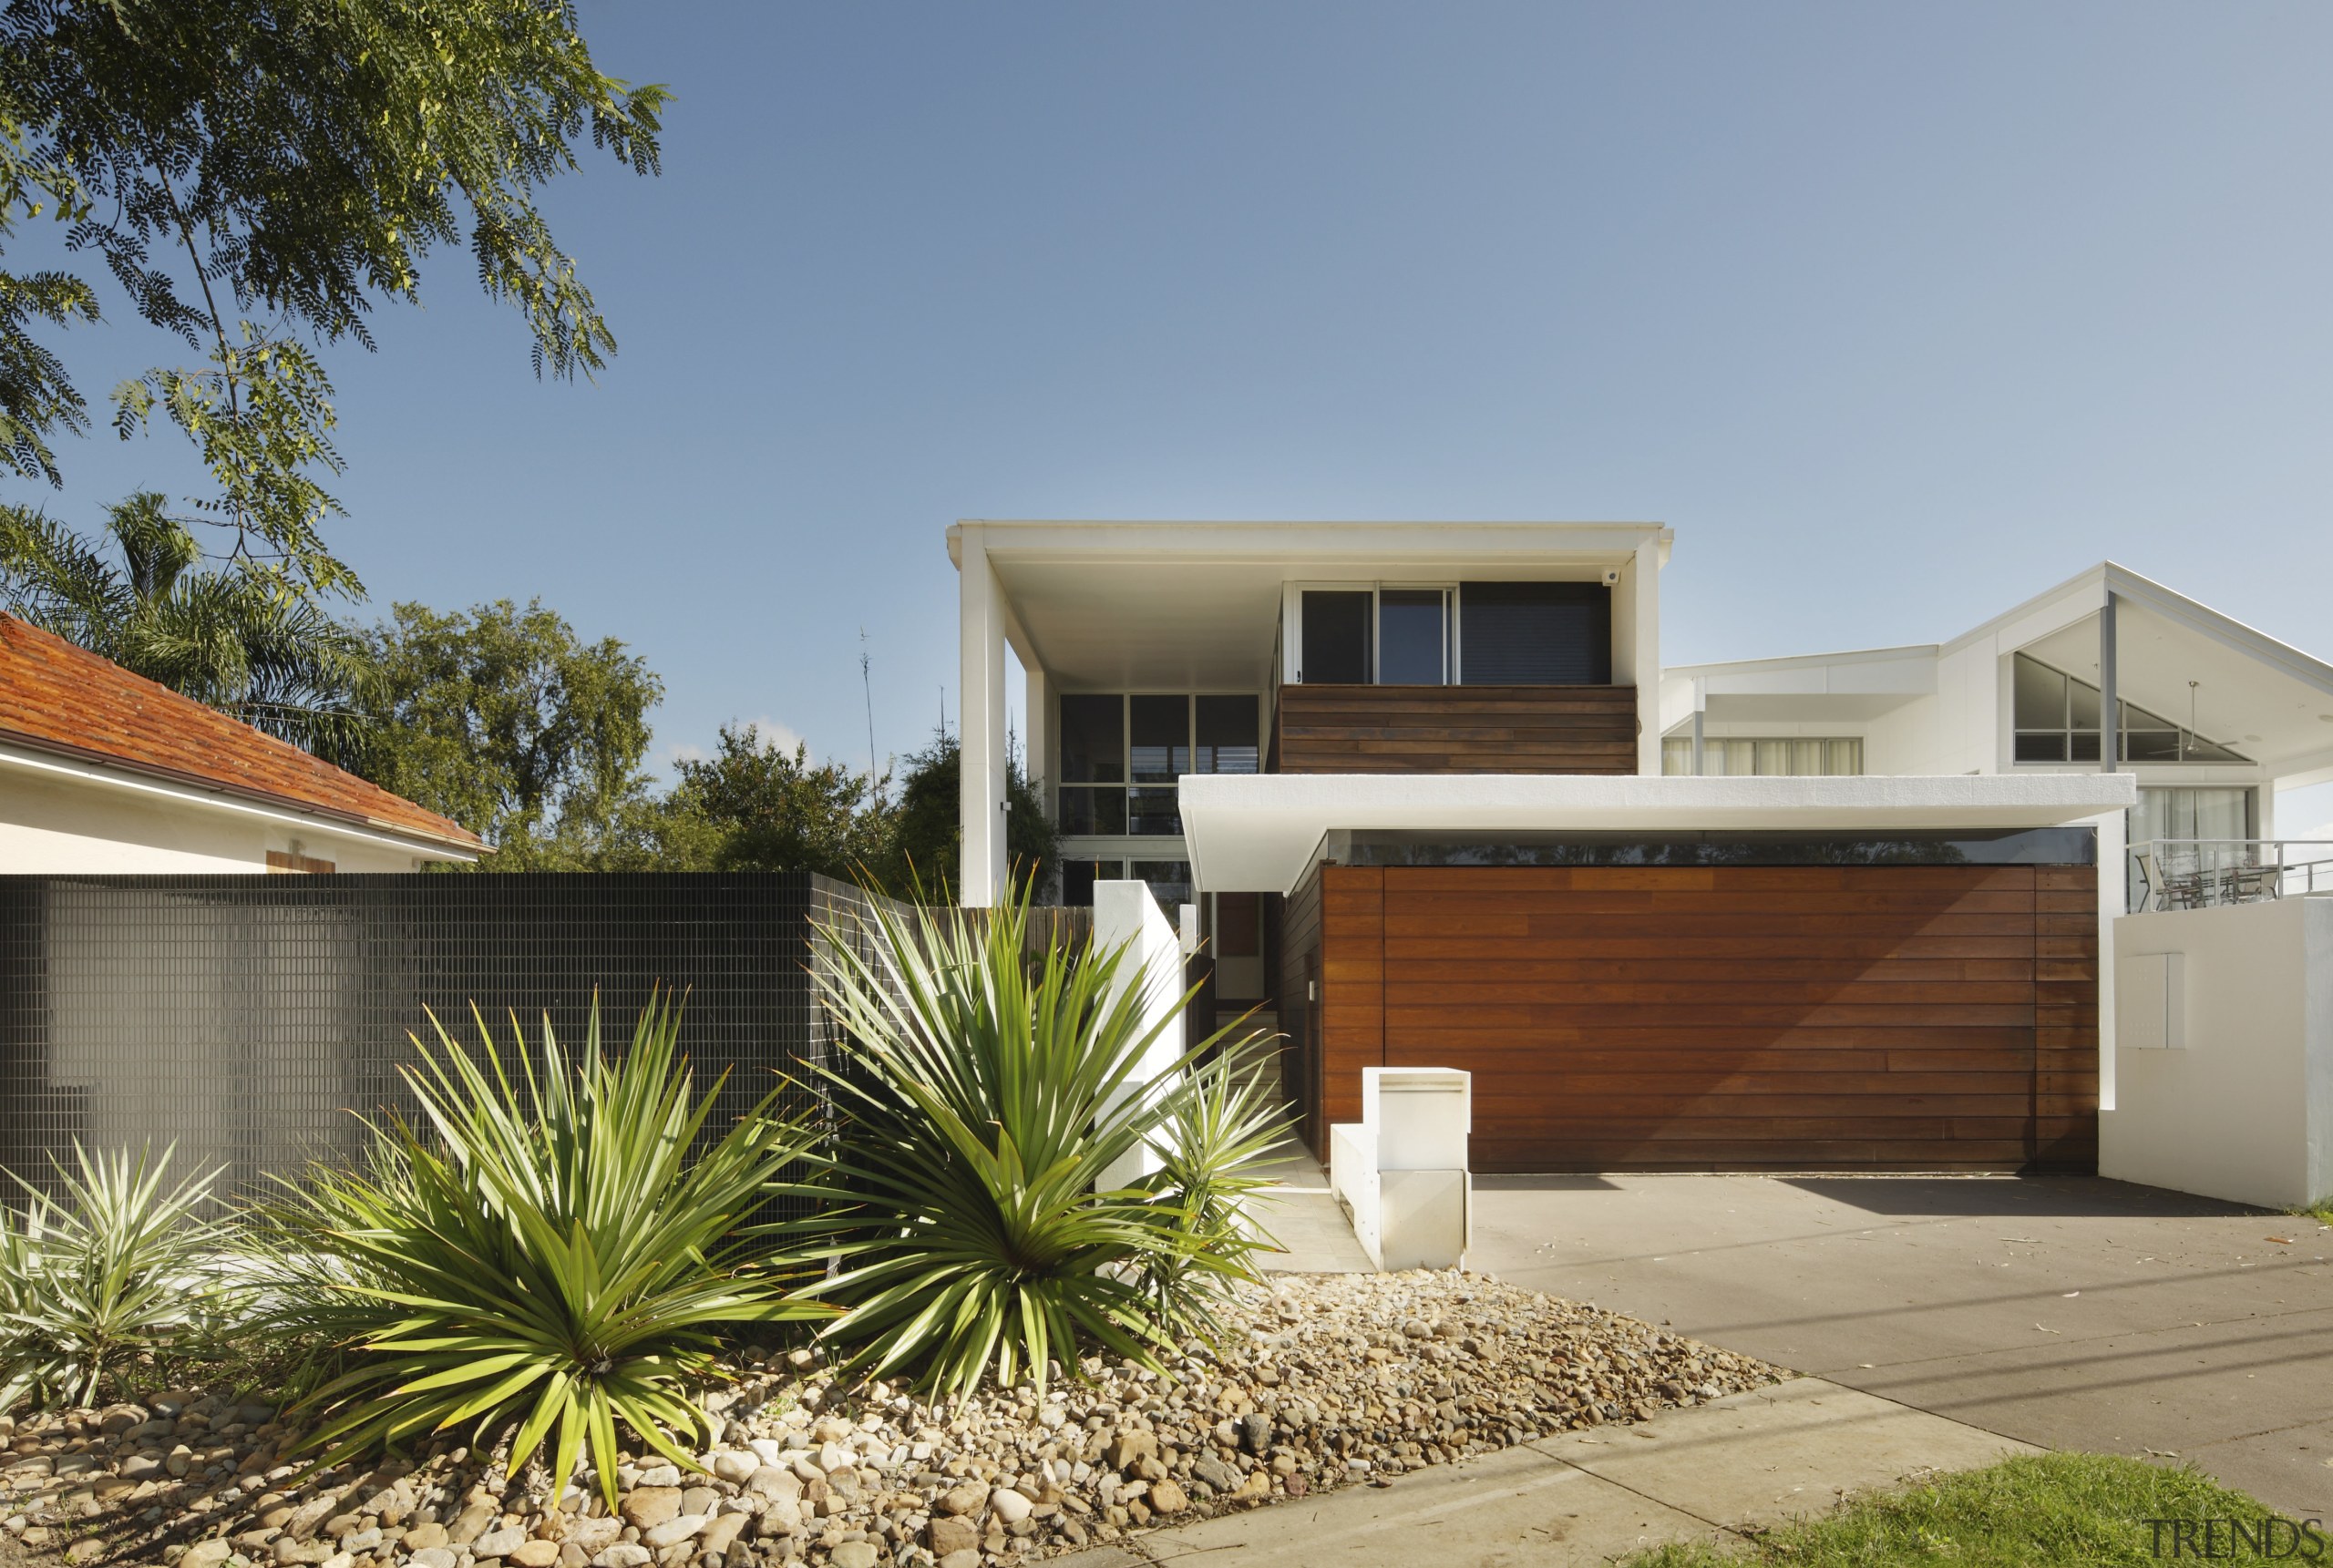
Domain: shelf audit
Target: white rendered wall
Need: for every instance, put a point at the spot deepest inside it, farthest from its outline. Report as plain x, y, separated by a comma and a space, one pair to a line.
1125, 913
63, 826
2244, 1110
1904, 740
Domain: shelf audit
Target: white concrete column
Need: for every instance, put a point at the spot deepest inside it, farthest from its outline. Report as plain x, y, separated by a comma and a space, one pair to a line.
1647, 657
2113, 891
981, 698
2110, 724
1036, 698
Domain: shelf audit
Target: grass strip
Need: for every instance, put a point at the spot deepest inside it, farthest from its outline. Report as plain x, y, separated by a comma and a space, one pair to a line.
2033, 1512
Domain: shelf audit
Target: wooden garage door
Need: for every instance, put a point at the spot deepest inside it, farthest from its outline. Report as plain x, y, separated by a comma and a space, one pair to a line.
1784, 1018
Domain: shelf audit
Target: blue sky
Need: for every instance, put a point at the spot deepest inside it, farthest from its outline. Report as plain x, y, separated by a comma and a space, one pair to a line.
1895, 314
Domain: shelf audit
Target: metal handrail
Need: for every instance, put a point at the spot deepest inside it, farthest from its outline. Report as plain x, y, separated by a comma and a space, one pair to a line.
2201, 873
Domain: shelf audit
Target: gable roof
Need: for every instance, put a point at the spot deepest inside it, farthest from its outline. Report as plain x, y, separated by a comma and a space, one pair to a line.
57, 696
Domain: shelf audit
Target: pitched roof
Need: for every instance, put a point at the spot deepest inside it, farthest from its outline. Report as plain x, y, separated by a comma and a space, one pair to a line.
59, 697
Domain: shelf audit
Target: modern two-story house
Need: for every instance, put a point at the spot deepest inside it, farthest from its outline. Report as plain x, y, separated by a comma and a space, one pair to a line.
1438, 802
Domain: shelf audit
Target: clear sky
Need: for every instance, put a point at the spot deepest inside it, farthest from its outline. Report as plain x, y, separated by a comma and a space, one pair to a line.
1896, 314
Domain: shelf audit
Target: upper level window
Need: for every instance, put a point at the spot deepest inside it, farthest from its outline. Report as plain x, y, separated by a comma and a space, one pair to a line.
1121, 756
1731, 756
1413, 636
1336, 648
2056, 721
1227, 736
1471, 633
1534, 633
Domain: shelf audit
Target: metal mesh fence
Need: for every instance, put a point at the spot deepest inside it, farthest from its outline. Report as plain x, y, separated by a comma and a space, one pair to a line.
246, 1019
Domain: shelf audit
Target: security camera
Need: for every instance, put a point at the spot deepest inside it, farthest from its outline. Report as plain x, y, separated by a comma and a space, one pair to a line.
1611, 577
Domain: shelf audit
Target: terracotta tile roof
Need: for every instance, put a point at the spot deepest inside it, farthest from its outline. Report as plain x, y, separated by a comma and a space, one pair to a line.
63, 698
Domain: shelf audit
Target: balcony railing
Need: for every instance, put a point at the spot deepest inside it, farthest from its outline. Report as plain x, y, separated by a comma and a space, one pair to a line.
2202, 873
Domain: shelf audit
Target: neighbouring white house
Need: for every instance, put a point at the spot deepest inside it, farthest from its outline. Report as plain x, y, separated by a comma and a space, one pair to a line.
103, 771
1437, 802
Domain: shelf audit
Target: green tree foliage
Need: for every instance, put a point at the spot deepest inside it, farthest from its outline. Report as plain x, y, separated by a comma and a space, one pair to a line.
753, 806
228, 638
257, 175
506, 721
927, 839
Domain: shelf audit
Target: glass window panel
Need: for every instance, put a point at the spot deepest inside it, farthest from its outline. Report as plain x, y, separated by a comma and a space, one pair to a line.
2084, 700
2082, 747
1336, 637
1170, 883
1086, 811
1409, 637
2041, 696
2048, 748
1675, 757
2147, 738
1228, 728
1162, 738
1077, 879
1151, 809
2222, 812
1092, 739
1773, 758
1535, 634
1846, 758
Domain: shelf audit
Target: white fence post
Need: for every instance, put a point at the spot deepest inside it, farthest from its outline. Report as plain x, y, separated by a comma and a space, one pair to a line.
1125, 912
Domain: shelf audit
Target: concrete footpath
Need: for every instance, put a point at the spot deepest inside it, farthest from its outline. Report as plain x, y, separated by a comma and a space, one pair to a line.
1757, 1459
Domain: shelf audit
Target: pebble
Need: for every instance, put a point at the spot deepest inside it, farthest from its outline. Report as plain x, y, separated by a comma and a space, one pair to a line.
1321, 1382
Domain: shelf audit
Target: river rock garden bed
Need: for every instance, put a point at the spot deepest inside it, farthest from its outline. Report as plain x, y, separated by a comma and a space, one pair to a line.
1328, 1381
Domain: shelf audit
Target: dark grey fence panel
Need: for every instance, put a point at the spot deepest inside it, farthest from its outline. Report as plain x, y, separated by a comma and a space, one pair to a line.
245, 1019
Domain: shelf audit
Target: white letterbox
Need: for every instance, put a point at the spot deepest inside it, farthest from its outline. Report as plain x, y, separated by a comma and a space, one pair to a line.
1400, 1170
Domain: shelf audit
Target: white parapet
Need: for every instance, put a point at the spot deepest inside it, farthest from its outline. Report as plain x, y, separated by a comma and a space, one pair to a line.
1125, 914
1400, 1170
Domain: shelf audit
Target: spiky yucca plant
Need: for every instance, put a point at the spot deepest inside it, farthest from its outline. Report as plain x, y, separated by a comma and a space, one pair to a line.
551, 1255
123, 1266
984, 1097
1221, 1125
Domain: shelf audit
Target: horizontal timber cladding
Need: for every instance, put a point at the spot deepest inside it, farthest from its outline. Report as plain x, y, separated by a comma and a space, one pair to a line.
1455, 730
1742, 1018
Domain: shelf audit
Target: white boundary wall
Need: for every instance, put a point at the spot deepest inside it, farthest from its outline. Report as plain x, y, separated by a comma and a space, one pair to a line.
1126, 913
2237, 1100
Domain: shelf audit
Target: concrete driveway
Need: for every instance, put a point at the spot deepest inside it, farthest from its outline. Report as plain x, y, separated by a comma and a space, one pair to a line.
2069, 1313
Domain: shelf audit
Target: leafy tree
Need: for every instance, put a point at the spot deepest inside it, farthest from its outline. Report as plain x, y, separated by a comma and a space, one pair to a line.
507, 721
257, 175
927, 837
227, 638
753, 806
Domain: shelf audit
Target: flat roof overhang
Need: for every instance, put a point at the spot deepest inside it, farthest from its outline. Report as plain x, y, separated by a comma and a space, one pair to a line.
1256, 832
1104, 606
